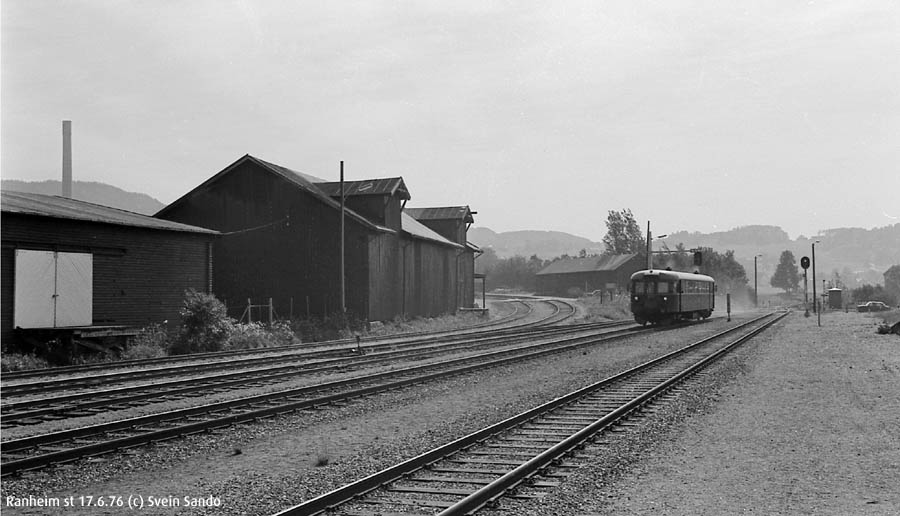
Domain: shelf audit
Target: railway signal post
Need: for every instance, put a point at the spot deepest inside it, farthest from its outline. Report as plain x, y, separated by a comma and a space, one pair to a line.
804, 262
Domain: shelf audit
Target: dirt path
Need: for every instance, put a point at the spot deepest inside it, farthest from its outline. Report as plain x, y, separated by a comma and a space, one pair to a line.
813, 428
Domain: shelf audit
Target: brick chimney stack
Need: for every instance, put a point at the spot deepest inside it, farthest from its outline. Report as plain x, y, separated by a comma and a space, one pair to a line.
67, 159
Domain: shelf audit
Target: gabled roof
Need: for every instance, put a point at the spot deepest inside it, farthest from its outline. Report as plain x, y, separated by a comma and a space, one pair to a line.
64, 208
443, 213
301, 181
385, 186
589, 264
418, 230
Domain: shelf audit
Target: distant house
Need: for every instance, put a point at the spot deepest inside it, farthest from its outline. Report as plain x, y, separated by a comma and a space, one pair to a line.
570, 275
69, 263
281, 240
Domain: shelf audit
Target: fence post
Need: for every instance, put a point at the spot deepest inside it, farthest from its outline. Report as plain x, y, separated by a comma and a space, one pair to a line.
270, 311
249, 311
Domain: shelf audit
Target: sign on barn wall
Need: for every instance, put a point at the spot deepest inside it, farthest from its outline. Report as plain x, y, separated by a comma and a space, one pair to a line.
53, 289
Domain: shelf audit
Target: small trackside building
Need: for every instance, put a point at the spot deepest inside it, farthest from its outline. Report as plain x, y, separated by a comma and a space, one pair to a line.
569, 276
68, 263
453, 222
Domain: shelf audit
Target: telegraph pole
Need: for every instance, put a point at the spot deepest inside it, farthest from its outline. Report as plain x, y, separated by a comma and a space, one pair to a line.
816, 308
343, 291
755, 288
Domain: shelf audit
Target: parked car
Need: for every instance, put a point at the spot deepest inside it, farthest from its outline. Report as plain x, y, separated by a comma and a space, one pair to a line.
872, 306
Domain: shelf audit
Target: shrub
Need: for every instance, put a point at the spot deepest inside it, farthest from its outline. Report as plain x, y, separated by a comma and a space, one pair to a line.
205, 325
257, 335
600, 309
21, 362
574, 292
150, 342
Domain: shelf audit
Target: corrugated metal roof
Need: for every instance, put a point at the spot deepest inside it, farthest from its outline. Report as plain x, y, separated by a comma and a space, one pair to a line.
384, 186
589, 264
63, 208
418, 230
442, 213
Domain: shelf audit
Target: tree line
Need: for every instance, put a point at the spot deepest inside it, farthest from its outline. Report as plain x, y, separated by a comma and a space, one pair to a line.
788, 276
623, 236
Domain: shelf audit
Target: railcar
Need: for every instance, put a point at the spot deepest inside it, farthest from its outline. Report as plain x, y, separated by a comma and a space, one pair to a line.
664, 296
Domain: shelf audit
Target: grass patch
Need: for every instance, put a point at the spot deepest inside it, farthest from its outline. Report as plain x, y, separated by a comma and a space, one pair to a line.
321, 460
22, 362
598, 310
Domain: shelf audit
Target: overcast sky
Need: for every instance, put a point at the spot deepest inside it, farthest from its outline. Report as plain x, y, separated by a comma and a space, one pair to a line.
698, 116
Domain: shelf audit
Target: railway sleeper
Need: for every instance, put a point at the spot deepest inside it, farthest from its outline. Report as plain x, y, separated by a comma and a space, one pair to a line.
472, 471
415, 503
541, 432
516, 446
450, 480
429, 490
495, 462
554, 425
530, 439
500, 453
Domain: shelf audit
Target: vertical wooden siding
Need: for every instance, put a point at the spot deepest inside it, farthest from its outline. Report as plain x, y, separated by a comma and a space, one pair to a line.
429, 278
385, 280
279, 242
467, 279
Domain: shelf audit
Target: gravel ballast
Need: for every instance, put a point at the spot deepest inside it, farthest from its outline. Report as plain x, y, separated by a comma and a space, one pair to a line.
804, 420
754, 435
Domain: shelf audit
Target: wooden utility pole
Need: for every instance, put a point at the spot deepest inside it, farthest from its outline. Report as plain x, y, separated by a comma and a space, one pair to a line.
343, 293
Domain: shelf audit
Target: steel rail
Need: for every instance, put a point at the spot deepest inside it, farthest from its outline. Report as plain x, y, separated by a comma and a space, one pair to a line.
513, 478
288, 348
44, 386
58, 407
256, 407
330, 501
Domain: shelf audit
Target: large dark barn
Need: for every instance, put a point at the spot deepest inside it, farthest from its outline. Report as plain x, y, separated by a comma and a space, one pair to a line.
568, 276
68, 263
281, 240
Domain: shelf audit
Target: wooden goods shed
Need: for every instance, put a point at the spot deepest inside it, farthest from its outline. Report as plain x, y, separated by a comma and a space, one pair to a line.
568, 276
280, 239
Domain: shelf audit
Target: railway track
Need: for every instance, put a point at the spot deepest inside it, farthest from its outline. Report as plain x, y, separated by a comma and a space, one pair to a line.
17, 383
90, 375
519, 312
533, 448
42, 450
36, 410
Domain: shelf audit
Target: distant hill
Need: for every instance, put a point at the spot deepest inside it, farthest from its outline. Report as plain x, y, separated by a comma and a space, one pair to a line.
544, 244
89, 191
855, 255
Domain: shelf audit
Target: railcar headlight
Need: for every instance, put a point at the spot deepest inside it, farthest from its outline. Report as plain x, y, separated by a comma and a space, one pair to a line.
665, 298
635, 298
